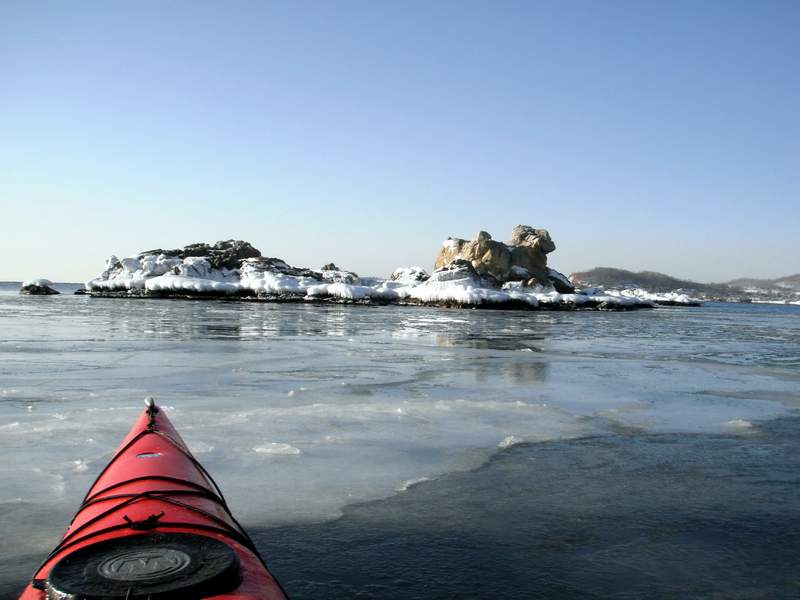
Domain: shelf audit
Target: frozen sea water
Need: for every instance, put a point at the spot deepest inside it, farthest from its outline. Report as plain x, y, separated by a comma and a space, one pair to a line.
622, 517
302, 410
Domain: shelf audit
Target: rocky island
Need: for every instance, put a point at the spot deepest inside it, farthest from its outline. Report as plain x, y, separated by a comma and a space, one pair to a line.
480, 273
38, 287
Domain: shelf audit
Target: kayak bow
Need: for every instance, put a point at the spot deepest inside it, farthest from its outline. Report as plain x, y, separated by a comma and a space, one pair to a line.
154, 525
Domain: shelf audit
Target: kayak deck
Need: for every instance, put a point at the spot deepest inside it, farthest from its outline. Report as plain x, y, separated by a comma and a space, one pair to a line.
154, 525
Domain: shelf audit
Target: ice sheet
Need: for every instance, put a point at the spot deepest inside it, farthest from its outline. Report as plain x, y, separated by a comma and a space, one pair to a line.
299, 410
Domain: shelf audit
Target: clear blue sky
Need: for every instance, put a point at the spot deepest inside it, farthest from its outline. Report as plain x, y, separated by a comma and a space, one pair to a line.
644, 135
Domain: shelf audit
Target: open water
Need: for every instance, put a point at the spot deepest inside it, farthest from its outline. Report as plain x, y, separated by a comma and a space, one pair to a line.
407, 452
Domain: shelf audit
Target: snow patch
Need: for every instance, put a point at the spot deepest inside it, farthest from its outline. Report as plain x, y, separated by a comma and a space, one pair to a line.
41, 282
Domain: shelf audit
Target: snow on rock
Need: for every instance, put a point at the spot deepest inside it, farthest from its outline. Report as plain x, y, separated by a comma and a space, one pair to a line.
351, 292
131, 273
560, 281
333, 274
444, 292
190, 284
457, 272
38, 287
41, 282
665, 299
409, 275
221, 274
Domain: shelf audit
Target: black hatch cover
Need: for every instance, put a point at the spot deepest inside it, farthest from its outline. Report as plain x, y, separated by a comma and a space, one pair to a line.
158, 565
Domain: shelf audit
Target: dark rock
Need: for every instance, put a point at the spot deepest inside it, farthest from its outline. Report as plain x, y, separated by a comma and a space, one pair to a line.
39, 287
80, 292
560, 282
226, 254
157, 251
278, 265
330, 267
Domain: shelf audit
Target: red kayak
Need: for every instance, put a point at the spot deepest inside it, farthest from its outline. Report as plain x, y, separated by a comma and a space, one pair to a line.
154, 525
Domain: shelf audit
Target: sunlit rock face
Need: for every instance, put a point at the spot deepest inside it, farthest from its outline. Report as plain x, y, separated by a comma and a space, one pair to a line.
524, 258
538, 239
487, 256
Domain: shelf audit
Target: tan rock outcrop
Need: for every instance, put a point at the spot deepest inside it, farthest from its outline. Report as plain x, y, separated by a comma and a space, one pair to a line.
524, 258
539, 239
487, 256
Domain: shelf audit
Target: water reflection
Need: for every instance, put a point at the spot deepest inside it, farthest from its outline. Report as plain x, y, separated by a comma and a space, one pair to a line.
184, 320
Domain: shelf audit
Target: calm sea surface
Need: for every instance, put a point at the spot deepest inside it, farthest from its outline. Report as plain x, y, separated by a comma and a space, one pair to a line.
395, 452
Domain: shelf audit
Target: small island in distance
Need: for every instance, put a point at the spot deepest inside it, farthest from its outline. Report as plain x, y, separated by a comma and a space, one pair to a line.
477, 273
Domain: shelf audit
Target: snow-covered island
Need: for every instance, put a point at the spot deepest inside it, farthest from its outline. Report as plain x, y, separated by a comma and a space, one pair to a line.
38, 287
477, 273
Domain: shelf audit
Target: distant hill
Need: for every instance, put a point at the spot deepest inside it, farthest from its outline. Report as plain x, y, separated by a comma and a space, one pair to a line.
790, 283
782, 288
649, 280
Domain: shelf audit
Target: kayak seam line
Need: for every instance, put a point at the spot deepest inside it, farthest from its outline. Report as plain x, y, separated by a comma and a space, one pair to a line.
207, 494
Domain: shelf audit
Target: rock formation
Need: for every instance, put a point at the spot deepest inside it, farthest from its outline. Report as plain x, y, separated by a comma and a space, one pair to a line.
409, 275
522, 259
225, 254
333, 274
457, 271
469, 273
38, 287
277, 265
